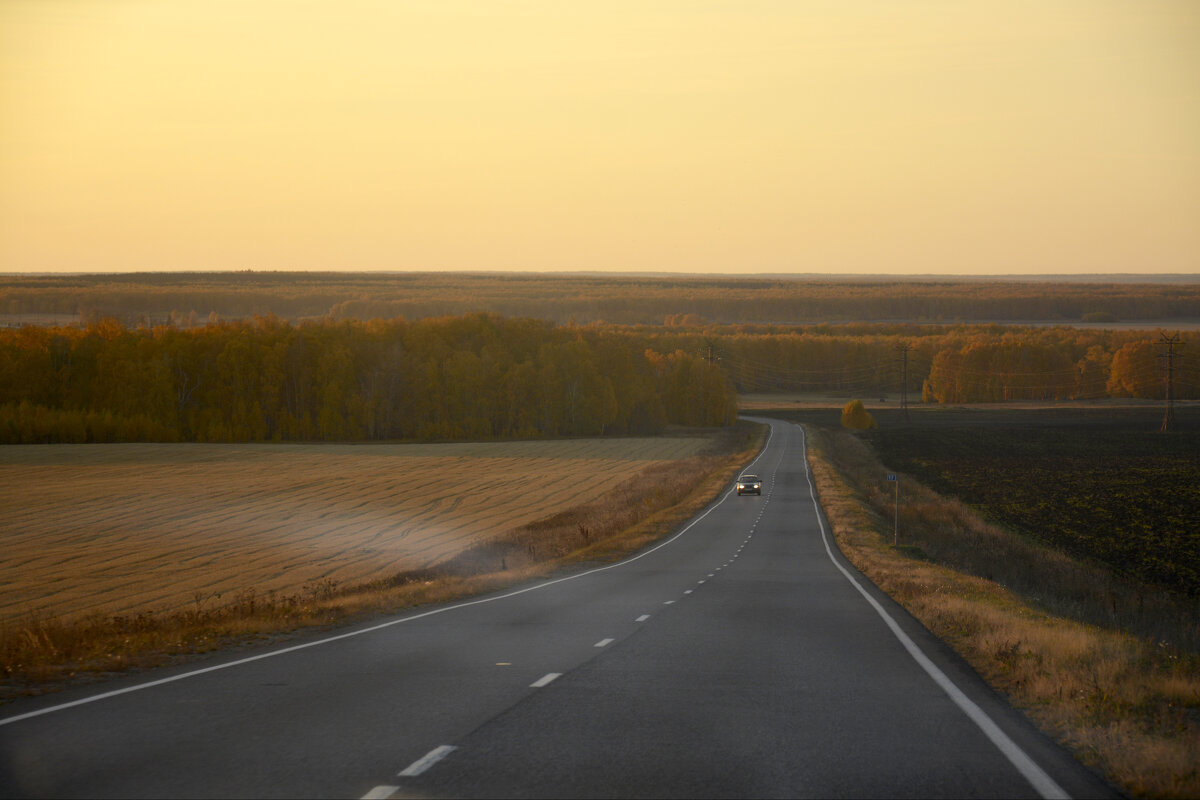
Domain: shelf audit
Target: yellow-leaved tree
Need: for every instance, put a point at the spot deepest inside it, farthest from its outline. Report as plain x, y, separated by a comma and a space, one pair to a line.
856, 417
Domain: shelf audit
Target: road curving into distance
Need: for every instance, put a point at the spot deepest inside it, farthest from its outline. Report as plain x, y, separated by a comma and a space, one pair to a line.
742, 656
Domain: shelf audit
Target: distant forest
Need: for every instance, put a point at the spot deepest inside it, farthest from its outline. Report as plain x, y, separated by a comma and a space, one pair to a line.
471, 377
485, 376
193, 299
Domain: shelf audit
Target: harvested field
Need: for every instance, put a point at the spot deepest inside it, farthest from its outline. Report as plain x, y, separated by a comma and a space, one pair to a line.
120, 528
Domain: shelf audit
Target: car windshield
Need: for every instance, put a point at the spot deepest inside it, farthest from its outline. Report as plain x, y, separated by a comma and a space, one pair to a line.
749, 479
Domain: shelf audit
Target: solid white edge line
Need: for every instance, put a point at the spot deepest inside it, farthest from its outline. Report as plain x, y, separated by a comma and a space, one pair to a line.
545, 680
381, 793
1037, 777
426, 761
250, 659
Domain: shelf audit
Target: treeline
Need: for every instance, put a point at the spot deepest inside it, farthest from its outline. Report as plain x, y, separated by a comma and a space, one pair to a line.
1060, 364
482, 376
682, 301
945, 364
472, 377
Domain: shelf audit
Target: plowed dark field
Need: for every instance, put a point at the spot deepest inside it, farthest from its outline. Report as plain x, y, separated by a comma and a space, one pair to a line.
1099, 483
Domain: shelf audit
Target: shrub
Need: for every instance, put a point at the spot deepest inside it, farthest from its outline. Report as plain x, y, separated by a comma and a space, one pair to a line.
856, 417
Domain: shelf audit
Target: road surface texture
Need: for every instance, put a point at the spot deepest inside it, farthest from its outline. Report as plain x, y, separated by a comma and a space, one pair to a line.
741, 657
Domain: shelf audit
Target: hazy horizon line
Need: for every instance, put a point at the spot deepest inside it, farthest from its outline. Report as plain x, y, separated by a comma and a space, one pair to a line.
1033, 277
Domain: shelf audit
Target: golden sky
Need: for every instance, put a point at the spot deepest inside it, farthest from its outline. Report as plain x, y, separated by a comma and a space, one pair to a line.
740, 136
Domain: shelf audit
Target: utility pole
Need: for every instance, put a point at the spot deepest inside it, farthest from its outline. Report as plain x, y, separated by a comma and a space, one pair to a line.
1168, 358
903, 349
710, 357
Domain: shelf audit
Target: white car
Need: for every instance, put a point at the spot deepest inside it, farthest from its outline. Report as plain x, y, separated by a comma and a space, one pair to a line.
749, 484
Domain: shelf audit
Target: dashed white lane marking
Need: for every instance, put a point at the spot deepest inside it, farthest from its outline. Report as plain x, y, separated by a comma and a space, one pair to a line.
549, 677
642, 618
668, 602
604, 643
700, 582
688, 591
426, 761
1042, 783
381, 793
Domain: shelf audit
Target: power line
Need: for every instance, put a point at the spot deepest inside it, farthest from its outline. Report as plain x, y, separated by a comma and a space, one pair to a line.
866, 369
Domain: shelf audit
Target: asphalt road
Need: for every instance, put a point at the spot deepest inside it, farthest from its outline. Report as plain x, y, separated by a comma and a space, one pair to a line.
741, 657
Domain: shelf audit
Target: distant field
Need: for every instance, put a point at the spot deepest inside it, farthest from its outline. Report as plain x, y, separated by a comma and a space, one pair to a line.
1097, 480
52, 320
1103, 489
125, 527
187, 299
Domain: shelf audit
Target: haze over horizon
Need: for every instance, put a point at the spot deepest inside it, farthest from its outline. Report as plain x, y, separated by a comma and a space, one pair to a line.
759, 136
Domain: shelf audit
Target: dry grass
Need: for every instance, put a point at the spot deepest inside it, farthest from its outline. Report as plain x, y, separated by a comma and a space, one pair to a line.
1026, 619
119, 529
641, 500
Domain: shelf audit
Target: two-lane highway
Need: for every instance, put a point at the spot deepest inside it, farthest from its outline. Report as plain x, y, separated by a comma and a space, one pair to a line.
739, 657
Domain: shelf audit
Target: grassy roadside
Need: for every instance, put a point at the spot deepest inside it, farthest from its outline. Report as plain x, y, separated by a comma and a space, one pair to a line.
1128, 706
44, 654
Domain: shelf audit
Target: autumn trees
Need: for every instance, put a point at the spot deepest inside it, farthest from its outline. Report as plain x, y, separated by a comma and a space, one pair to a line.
946, 363
471, 377
1055, 364
482, 376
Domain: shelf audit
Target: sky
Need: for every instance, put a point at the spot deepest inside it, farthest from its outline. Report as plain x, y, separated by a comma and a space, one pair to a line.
696, 136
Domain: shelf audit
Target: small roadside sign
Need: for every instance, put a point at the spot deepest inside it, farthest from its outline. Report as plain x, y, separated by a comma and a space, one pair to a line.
891, 476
